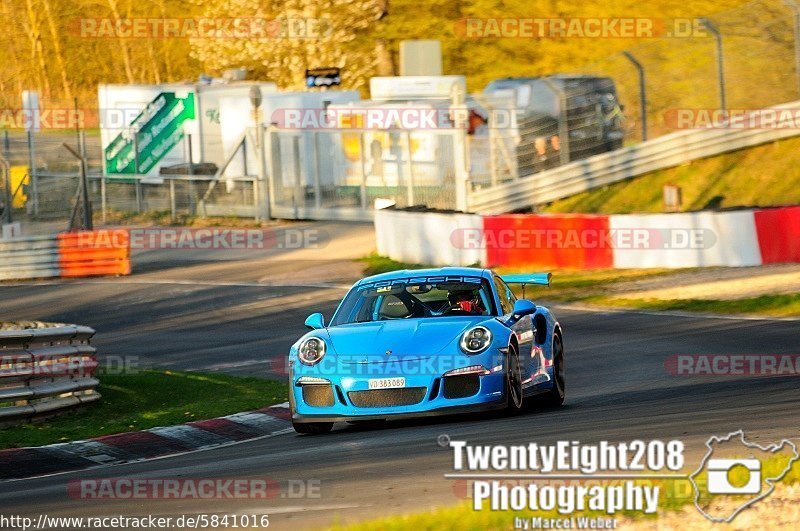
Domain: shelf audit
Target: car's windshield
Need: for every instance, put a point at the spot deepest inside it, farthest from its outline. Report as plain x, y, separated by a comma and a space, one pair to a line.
408, 298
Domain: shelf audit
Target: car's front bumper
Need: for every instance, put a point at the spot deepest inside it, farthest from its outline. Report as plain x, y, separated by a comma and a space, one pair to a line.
346, 400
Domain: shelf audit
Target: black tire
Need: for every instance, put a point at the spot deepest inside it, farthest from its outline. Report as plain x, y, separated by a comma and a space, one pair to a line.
312, 428
515, 397
555, 397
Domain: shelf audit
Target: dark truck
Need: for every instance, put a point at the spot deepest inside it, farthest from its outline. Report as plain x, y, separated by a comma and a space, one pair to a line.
594, 117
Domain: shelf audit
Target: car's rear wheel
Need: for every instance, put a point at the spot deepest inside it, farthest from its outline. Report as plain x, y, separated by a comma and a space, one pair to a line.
514, 397
312, 428
556, 395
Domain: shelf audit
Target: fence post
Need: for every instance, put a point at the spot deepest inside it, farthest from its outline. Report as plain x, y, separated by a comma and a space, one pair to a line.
103, 197
363, 185
32, 172
642, 92
720, 61
410, 170
796, 8
317, 171
275, 164
563, 125
138, 182
82, 196
264, 199
190, 170
87, 206
172, 199
7, 187
298, 194
461, 168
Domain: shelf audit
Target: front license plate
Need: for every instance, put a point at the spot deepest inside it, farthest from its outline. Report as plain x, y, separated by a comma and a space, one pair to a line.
386, 383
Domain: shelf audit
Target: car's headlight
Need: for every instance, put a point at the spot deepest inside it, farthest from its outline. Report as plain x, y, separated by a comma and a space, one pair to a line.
476, 340
311, 350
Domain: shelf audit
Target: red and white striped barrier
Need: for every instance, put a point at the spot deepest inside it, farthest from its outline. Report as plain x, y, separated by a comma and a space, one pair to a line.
580, 241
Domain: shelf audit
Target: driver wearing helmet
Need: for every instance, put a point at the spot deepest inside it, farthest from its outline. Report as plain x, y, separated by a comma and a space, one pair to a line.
466, 301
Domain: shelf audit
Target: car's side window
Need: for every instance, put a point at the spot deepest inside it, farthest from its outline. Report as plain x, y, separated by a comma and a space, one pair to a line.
511, 296
506, 297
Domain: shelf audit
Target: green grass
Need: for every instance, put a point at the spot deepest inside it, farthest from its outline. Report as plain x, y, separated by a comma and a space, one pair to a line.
765, 175
148, 399
463, 517
775, 305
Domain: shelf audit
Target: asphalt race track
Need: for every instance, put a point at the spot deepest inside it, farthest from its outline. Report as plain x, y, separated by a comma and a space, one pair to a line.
618, 390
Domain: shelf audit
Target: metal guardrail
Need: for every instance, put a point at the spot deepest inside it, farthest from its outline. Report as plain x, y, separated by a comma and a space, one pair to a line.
45, 370
601, 170
31, 257
70, 254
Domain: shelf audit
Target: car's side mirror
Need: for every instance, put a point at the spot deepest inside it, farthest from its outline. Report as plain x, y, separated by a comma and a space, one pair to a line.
522, 307
315, 321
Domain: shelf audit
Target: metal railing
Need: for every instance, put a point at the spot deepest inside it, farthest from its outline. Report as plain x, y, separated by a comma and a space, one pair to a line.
340, 173
45, 369
31, 257
601, 170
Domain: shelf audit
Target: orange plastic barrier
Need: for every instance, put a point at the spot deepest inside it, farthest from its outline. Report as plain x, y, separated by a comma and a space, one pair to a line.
572, 241
94, 253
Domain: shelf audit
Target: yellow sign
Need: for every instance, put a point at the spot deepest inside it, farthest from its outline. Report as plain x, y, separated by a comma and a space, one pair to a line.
18, 175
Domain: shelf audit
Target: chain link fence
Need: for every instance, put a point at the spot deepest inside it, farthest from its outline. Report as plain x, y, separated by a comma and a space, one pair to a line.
681, 72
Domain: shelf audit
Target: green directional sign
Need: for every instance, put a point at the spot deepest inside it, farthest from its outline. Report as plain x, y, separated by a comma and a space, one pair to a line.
151, 135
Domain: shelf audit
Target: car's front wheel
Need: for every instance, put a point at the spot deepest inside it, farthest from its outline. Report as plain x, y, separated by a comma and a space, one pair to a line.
312, 428
514, 396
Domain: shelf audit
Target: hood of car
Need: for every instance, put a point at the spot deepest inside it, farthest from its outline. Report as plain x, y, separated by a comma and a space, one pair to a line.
403, 337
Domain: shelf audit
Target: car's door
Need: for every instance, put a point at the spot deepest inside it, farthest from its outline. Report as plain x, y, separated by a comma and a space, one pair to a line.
522, 328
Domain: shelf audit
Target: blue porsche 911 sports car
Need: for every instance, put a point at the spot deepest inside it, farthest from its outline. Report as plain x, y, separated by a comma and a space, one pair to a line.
425, 342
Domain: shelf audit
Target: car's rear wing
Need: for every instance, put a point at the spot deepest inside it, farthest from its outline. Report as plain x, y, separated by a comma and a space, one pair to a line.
542, 279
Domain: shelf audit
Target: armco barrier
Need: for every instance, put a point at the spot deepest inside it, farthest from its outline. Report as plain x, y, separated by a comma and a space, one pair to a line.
45, 369
665, 151
34, 257
696, 239
72, 254
89, 253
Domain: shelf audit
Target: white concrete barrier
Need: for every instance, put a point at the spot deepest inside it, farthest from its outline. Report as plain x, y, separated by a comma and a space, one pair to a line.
426, 237
698, 239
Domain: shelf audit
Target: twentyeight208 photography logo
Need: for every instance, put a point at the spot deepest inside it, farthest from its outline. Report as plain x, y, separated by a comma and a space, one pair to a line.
736, 473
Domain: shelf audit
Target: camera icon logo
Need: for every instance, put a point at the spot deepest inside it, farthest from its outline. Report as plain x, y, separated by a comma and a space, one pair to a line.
734, 476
